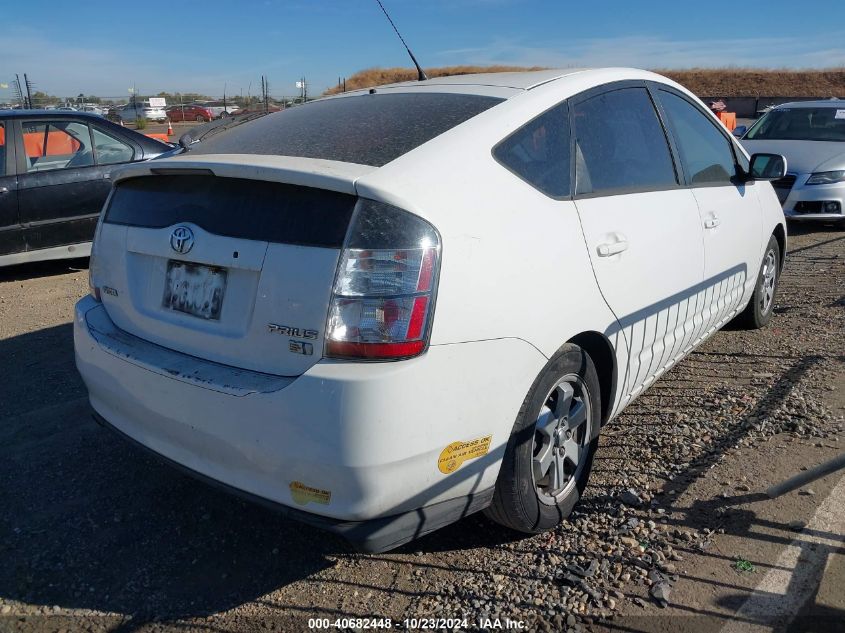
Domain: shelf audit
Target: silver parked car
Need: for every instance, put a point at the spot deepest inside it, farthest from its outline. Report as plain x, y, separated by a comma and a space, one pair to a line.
811, 135
142, 110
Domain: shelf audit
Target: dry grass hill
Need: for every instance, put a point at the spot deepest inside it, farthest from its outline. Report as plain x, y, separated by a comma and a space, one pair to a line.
711, 82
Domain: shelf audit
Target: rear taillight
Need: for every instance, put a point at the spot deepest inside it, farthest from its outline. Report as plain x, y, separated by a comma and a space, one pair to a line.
94, 273
383, 294
93, 288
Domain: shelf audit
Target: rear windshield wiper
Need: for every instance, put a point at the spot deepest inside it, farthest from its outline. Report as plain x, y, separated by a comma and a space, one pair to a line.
188, 139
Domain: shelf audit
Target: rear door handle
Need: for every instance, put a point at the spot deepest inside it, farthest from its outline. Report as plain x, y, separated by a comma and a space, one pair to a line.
712, 222
612, 248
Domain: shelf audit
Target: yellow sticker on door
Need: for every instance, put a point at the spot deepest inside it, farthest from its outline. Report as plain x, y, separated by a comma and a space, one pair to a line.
303, 494
454, 455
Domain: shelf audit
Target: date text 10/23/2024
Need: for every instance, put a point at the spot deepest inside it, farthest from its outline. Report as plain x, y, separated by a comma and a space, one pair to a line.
415, 624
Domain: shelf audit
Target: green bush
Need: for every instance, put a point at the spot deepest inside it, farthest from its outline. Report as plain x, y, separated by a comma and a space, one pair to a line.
140, 124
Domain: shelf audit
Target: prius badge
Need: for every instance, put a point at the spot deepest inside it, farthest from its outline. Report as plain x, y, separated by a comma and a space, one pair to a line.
182, 239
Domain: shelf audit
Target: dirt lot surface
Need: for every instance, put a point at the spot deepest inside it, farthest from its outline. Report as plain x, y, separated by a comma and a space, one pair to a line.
674, 533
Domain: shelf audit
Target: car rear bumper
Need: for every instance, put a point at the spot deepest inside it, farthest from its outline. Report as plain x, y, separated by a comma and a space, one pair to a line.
354, 446
373, 535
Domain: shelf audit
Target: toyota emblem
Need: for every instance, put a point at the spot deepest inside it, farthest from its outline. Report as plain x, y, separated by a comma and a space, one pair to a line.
182, 239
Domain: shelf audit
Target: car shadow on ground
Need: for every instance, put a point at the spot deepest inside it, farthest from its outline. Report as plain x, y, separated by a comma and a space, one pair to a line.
34, 270
806, 228
91, 522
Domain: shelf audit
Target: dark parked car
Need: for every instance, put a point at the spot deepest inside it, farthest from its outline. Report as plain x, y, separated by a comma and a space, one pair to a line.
197, 113
55, 169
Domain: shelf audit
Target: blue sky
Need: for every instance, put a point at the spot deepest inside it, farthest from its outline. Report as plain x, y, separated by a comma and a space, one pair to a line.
106, 47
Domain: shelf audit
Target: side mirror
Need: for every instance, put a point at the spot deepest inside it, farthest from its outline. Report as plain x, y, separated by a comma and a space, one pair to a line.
739, 130
767, 167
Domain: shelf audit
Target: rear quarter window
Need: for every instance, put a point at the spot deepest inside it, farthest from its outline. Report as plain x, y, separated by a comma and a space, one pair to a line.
369, 129
539, 152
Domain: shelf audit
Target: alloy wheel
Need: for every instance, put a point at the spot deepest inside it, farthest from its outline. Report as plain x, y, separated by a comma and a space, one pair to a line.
768, 279
561, 439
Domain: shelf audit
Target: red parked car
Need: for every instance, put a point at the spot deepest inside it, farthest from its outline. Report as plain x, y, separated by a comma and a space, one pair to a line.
189, 113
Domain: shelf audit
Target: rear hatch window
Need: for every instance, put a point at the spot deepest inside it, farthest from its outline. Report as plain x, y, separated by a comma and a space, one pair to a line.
369, 129
234, 207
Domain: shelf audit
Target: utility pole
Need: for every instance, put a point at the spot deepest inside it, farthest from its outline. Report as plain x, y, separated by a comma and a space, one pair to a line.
265, 93
28, 90
19, 91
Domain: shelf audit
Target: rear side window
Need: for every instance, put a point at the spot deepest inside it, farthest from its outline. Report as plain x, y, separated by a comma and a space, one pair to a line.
110, 150
620, 144
235, 207
706, 154
370, 129
539, 152
57, 145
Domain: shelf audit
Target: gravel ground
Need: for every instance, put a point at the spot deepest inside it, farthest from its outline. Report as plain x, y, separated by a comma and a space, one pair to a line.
98, 536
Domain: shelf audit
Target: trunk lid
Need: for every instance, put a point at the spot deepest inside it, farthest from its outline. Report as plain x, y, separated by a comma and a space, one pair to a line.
212, 259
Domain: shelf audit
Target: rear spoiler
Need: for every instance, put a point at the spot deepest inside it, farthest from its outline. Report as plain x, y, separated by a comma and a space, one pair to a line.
307, 172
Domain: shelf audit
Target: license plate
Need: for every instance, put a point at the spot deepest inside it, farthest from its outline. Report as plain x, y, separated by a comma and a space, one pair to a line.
195, 289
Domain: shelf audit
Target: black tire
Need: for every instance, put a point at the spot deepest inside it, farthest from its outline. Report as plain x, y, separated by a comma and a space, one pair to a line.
759, 311
520, 502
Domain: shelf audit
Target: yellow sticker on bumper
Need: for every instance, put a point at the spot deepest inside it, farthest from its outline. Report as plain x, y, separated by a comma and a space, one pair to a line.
457, 453
303, 494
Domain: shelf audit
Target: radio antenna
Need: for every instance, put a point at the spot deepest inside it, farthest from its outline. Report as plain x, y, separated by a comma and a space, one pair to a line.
421, 76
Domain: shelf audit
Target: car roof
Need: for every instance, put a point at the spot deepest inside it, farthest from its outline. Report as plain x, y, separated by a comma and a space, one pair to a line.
506, 85
69, 114
503, 85
818, 103
524, 80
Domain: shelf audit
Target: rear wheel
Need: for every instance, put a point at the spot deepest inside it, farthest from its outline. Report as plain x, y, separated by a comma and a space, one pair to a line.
760, 309
549, 456
200, 118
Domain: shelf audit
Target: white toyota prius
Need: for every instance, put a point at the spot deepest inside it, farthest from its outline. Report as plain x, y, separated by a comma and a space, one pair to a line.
386, 310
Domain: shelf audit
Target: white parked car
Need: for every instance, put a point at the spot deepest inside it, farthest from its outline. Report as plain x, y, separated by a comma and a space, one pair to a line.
92, 109
386, 310
142, 110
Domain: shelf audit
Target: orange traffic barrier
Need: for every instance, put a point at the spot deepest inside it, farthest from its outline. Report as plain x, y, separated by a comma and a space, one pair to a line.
728, 119
58, 144
159, 137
